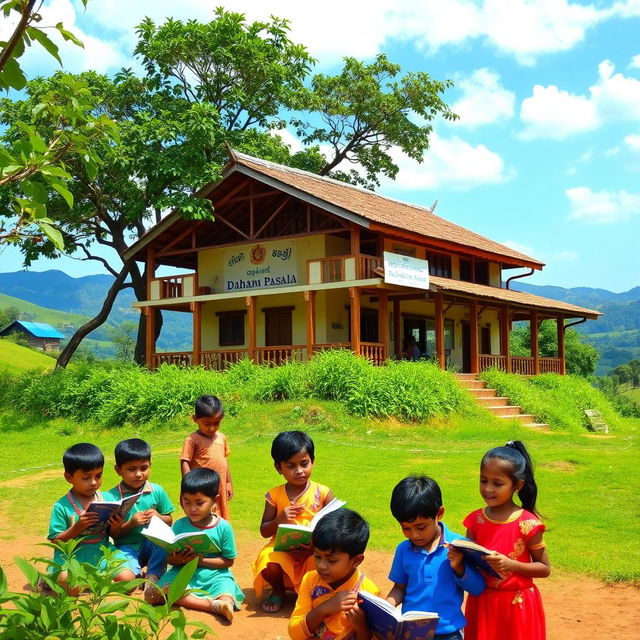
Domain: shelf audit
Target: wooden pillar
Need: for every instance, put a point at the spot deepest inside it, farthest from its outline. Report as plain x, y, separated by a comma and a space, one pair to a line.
251, 308
533, 321
505, 346
383, 325
473, 337
354, 295
150, 335
397, 338
439, 326
561, 352
196, 310
355, 240
310, 297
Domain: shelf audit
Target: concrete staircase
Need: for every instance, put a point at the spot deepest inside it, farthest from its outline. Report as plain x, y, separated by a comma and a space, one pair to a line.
491, 401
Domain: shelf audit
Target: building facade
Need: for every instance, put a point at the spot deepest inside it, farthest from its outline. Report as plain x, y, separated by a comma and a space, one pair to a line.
292, 263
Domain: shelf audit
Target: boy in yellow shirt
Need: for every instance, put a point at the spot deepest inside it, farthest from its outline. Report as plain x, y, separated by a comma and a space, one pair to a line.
327, 599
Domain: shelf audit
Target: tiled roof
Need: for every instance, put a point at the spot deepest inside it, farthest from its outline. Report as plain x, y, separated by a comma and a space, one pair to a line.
510, 296
378, 209
37, 329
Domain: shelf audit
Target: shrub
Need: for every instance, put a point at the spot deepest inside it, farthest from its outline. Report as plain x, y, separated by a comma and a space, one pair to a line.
335, 373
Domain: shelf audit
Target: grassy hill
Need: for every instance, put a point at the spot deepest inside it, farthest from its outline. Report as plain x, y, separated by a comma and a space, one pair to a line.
17, 359
59, 319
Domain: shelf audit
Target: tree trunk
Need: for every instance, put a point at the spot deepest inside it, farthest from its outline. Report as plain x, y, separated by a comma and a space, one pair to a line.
95, 322
140, 353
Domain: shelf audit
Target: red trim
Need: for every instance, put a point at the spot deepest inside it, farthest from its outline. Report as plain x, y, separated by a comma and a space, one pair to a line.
210, 526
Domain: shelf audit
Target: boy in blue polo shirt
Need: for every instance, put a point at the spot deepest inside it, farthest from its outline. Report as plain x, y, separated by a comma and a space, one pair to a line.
427, 574
133, 465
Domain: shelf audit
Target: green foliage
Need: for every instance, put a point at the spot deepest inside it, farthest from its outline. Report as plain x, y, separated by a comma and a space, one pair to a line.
113, 394
557, 400
123, 338
580, 357
16, 359
105, 611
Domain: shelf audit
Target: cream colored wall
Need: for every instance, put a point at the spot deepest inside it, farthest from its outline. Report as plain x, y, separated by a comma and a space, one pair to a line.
455, 267
210, 324
334, 311
335, 246
495, 275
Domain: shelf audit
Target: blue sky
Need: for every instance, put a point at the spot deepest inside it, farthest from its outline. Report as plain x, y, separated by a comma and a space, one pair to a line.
546, 155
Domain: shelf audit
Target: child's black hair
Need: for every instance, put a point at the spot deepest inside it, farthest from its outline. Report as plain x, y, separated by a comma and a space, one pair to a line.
201, 480
82, 456
288, 443
519, 468
208, 406
132, 449
342, 530
415, 497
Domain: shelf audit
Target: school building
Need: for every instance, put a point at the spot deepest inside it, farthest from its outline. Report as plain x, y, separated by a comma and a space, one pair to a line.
294, 263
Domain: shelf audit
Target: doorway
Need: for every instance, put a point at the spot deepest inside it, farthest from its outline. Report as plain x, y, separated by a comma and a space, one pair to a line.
278, 326
466, 347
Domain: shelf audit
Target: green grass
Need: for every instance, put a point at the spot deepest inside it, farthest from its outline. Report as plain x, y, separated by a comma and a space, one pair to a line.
42, 314
587, 485
17, 359
632, 394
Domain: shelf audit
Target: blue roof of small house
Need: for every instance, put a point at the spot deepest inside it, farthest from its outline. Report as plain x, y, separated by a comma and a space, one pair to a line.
36, 329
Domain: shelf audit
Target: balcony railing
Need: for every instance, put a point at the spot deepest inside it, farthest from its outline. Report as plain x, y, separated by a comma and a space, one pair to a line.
550, 365
524, 365
280, 354
174, 287
342, 268
219, 360
486, 361
180, 358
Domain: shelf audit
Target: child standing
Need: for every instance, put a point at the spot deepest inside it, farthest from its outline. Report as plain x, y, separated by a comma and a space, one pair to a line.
511, 606
427, 575
207, 447
295, 501
83, 466
133, 465
198, 497
327, 600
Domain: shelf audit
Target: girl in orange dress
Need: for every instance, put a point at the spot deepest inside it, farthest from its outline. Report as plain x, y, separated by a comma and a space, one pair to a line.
510, 607
294, 502
207, 447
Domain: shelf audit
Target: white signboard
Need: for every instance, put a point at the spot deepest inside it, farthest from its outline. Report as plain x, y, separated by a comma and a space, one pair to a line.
263, 265
406, 271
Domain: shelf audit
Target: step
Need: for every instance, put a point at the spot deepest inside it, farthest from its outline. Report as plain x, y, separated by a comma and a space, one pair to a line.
505, 410
492, 401
467, 376
472, 384
526, 418
482, 393
536, 425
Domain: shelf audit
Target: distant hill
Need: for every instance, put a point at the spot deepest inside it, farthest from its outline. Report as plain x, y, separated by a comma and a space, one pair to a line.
17, 359
58, 319
616, 334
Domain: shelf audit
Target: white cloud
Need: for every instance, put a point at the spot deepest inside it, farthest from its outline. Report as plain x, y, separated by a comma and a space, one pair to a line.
522, 248
451, 163
553, 113
633, 142
635, 62
562, 255
484, 100
602, 207
565, 255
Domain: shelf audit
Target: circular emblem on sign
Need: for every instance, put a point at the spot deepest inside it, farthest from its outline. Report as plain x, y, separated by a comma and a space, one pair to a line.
258, 254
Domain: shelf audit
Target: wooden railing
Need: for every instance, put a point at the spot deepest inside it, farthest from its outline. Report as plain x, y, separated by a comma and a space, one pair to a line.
550, 365
373, 351
332, 269
174, 286
523, 365
219, 360
486, 361
181, 358
367, 266
281, 354
331, 345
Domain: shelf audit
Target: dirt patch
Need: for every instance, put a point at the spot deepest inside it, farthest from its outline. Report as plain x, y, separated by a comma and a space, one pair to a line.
20, 482
563, 466
577, 608
598, 436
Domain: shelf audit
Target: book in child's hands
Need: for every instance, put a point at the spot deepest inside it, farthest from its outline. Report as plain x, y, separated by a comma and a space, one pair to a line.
474, 554
162, 534
387, 622
292, 536
107, 508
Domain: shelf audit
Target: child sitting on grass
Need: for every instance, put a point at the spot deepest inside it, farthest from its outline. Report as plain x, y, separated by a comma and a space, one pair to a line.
133, 465
207, 447
427, 575
295, 501
83, 466
198, 497
327, 599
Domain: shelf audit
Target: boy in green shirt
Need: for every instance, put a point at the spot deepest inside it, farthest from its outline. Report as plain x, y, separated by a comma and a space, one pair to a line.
133, 465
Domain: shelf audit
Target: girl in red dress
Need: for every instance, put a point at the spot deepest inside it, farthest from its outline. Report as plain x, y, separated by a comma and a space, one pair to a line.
510, 607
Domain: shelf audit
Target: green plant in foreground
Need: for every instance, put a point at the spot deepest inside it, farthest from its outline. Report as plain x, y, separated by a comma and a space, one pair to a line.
105, 611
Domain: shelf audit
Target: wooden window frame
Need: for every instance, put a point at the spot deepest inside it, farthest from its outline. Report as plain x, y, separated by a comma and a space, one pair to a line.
226, 315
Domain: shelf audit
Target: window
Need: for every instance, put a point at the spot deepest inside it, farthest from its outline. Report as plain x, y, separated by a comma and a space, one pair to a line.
439, 265
482, 273
431, 336
369, 325
466, 272
231, 328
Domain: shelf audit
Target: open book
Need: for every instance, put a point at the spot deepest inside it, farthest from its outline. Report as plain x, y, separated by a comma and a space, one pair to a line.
474, 554
162, 534
106, 508
389, 623
291, 536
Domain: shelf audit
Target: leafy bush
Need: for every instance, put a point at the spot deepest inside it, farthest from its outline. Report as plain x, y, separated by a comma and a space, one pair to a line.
557, 400
105, 611
335, 373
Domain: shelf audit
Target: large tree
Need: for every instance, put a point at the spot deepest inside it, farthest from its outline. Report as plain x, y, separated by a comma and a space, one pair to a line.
207, 84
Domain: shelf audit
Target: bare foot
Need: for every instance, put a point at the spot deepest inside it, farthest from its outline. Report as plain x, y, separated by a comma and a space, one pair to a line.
272, 603
223, 608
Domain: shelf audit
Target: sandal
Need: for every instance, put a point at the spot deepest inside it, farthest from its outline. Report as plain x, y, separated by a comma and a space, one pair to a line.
272, 603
